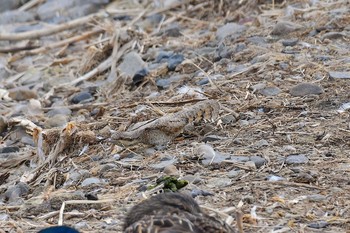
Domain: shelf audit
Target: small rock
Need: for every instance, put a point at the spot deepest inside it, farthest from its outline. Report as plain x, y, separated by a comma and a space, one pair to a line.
304, 89
139, 76
91, 180
15, 16
82, 97
239, 158
211, 138
15, 192
290, 42
9, 149
316, 197
270, 91
166, 162
172, 31
296, 159
171, 170
4, 217
174, 61
230, 29
219, 182
200, 192
228, 119
9, 4
132, 63
22, 93
257, 87
284, 28
234, 173
260, 143
59, 111
318, 224
339, 74
258, 161
194, 179
274, 178
165, 83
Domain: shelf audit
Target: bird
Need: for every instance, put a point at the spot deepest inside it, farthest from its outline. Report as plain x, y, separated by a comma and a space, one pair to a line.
59, 229
172, 213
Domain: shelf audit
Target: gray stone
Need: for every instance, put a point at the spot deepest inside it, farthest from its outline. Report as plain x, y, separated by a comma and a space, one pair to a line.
218, 158
296, 159
234, 173
231, 29
304, 89
339, 74
132, 63
91, 180
16, 192
290, 42
270, 91
59, 111
11, 17
161, 165
219, 182
274, 178
9, 5
258, 161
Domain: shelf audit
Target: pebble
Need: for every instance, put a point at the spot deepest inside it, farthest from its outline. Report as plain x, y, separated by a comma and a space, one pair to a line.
22, 93
172, 31
59, 111
228, 119
9, 4
174, 61
82, 97
165, 83
318, 224
91, 180
56, 121
233, 30
139, 76
200, 192
234, 173
131, 64
258, 161
171, 170
284, 28
261, 143
212, 138
15, 16
304, 89
15, 192
4, 217
296, 159
164, 163
239, 158
274, 178
194, 179
290, 42
339, 74
270, 91
9, 149
219, 182
316, 197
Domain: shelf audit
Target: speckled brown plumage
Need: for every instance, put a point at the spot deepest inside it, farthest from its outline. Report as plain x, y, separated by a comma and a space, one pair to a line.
172, 213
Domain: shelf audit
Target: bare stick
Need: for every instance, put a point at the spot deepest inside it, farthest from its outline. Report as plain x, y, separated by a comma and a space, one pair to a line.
30, 4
